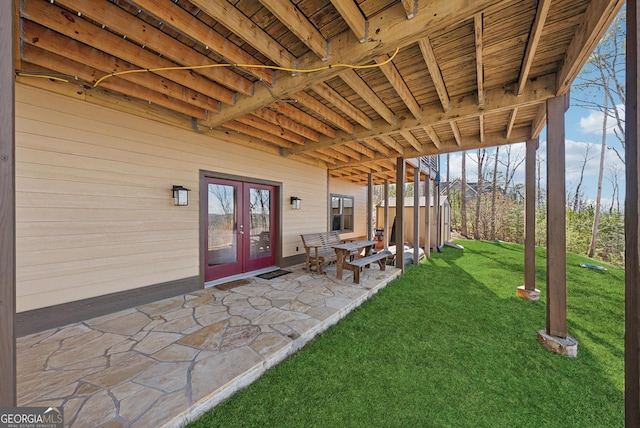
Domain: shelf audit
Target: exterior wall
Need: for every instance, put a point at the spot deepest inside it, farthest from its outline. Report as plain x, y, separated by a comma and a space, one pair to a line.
408, 224
359, 193
93, 198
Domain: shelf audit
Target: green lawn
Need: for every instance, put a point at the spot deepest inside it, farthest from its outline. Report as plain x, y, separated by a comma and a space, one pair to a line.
450, 344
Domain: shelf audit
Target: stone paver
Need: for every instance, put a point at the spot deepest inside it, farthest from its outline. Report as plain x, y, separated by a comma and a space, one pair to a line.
167, 362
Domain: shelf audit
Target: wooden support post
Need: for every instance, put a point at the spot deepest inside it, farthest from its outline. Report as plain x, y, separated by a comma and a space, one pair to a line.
416, 214
555, 336
369, 206
427, 215
400, 170
528, 290
8, 390
385, 236
632, 225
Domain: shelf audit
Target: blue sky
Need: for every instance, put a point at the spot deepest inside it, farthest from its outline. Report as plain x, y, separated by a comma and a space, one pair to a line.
583, 128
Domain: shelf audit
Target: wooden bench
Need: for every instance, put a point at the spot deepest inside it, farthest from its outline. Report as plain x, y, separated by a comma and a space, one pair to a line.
356, 265
319, 250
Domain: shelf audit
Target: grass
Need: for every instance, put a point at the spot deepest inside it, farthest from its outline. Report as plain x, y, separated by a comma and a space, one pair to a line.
450, 345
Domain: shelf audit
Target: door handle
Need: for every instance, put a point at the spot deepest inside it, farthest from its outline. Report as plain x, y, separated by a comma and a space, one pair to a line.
241, 232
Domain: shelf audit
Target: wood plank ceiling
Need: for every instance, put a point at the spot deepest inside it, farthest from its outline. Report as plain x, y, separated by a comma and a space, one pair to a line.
392, 78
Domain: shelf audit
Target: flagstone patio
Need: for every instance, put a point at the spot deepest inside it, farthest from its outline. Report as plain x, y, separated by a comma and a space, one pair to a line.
167, 362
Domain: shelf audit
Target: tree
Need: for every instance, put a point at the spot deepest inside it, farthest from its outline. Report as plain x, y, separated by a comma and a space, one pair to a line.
463, 196
511, 163
493, 193
481, 155
577, 198
596, 214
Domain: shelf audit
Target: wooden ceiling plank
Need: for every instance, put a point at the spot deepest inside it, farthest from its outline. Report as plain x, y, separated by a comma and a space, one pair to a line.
124, 23
299, 116
235, 21
410, 7
512, 120
184, 22
326, 92
433, 136
298, 24
56, 43
78, 29
413, 141
478, 31
324, 111
456, 132
466, 107
287, 123
65, 65
391, 31
271, 128
597, 16
532, 44
335, 154
356, 83
435, 72
350, 12
249, 130
393, 76
348, 151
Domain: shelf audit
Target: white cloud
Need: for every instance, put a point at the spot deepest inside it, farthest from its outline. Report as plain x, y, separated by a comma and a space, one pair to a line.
592, 124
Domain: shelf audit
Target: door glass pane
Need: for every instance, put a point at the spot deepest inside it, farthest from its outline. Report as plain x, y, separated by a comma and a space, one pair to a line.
222, 236
260, 218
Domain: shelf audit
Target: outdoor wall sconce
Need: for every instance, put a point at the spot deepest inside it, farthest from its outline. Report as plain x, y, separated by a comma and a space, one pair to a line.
295, 203
180, 196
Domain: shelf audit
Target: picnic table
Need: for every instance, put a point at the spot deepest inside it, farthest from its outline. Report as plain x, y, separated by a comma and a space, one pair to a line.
363, 247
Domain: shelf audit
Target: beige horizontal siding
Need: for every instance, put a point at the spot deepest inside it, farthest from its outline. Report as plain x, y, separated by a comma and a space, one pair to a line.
93, 198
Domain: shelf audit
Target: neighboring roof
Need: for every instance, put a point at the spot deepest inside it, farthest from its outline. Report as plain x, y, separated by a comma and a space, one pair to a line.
439, 76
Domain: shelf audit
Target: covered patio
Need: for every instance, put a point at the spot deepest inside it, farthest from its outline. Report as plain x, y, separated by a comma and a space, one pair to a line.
167, 362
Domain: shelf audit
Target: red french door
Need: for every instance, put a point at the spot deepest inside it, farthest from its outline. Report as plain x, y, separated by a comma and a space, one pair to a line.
240, 227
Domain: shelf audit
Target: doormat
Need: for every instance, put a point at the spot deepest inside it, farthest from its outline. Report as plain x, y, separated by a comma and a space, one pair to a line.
274, 274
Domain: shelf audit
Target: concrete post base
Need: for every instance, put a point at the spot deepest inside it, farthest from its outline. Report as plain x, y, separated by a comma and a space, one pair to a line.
568, 346
530, 295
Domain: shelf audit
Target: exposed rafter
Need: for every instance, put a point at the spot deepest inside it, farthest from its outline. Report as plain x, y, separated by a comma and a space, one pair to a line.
326, 92
391, 73
356, 83
350, 12
512, 121
433, 136
532, 44
456, 132
410, 7
434, 71
478, 31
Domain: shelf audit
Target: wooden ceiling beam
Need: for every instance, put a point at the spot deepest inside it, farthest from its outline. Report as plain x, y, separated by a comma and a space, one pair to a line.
287, 123
351, 78
596, 18
298, 24
235, 21
65, 65
456, 132
532, 44
271, 128
335, 154
478, 31
433, 136
81, 30
389, 141
181, 20
298, 115
391, 31
365, 151
350, 12
434, 72
393, 76
133, 28
466, 107
324, 111
58, 44
540, 121
258, 133
329, 94
377, 146
348, 152
512, 121
481, 127
413, 141
410, 7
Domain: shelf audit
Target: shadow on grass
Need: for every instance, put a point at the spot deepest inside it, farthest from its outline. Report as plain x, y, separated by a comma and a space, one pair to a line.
448, 344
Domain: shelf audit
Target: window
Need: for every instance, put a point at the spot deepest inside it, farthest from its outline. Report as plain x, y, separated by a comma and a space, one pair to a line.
342, 213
